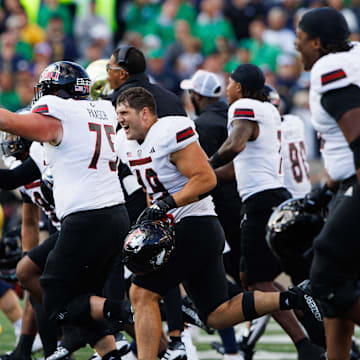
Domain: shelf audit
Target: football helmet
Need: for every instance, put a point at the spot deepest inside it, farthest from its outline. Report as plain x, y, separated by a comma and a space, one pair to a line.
10, 254
14, 145
100, 85
64, 79
272, 95
290, 232
148, 246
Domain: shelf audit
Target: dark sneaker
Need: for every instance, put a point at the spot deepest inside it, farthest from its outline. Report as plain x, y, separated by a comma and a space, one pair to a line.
175, 351
191, 316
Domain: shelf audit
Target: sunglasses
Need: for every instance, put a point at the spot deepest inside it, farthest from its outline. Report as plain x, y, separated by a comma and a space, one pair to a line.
109, 67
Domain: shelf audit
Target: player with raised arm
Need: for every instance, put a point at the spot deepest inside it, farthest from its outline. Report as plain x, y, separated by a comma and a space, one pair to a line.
77, 136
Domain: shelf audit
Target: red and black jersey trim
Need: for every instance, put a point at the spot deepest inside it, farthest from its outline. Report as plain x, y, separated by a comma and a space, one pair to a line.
244, 113
185, 134
32, 185
332, 76
140, 161
40, 109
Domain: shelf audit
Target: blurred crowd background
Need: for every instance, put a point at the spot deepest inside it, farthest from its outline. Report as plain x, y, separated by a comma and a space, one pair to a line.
177, 37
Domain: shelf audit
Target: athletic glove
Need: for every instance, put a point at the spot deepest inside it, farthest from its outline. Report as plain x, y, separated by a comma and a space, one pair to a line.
318, 198
158, 209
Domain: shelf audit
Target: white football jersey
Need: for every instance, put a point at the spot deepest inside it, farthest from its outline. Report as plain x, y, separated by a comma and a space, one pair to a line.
258, 166
330, 72
84, 164
293, 153
150, 162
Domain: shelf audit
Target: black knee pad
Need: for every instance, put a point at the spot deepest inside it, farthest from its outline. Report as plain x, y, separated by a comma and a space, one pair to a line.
76, 312
248, 306
337, 300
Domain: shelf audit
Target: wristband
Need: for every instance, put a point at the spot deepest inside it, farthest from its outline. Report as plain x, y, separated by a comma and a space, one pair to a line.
215, 160
170, 201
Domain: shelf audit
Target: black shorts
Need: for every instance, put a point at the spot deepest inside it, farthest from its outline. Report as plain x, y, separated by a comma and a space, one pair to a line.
337, 247
196, 262
83, 255
39, 253
257, 261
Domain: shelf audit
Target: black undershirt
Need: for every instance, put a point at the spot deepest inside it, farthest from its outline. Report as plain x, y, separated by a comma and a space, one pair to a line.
23, 174
337, 102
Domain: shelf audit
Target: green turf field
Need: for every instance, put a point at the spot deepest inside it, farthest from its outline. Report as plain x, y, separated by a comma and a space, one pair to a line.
266, 350
274, 344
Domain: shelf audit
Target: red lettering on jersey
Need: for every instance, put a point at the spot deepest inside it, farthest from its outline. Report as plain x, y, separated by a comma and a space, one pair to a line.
332, 76
244, 113
40, 109
184, 134
140, 161
32, 185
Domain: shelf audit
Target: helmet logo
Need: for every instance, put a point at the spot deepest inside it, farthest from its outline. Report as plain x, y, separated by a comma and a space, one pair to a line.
50, 75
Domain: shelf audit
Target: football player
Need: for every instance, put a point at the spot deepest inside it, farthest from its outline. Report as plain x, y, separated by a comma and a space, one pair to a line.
252, 152
126, 69
174, 170
77, 136
295, 167
322, 40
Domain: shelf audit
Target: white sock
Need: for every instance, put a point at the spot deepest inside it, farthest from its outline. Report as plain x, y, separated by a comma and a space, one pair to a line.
189, 346
17, 328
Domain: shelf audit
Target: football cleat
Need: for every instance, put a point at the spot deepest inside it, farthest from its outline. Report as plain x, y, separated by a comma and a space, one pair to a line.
191, 316
175, 351
122, 344
59, 354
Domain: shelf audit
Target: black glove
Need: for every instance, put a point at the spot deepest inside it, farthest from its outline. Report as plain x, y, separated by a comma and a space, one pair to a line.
318, 198
159, 209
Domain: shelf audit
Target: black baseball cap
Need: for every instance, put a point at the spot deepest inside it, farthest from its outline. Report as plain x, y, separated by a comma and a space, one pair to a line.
249, 76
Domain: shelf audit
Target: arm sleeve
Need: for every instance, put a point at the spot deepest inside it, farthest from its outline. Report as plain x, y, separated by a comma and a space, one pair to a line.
337, 102
23, 174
